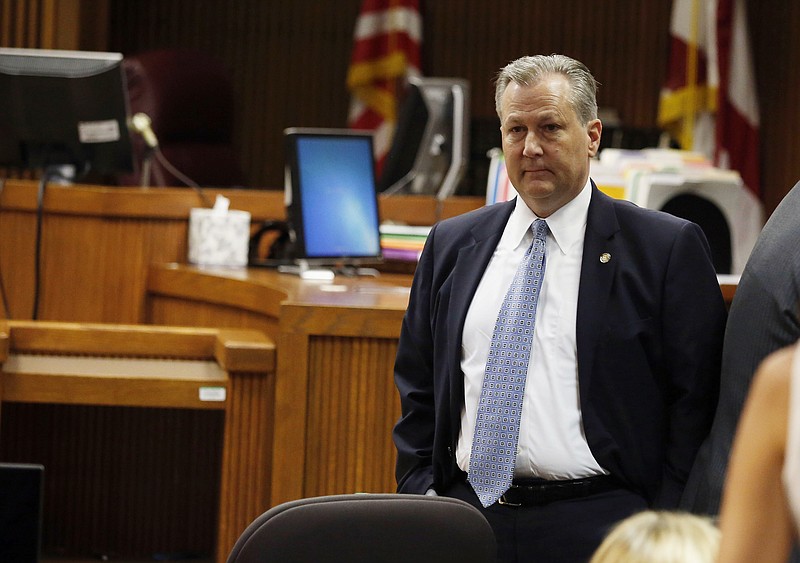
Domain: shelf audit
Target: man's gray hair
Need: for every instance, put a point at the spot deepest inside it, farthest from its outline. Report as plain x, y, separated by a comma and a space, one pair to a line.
527, 71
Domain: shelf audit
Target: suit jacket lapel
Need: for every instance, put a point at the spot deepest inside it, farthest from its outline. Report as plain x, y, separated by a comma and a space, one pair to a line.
597, 275
468, 270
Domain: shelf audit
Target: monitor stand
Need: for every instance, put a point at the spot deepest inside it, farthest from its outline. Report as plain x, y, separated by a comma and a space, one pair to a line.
302, 269
354, 271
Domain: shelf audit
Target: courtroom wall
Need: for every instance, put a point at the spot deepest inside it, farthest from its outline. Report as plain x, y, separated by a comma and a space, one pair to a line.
289, 58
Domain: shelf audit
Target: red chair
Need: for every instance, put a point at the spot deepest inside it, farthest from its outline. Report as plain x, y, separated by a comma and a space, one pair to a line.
188, 97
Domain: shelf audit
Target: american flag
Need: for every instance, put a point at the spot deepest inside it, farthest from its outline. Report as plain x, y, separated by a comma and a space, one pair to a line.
386, 52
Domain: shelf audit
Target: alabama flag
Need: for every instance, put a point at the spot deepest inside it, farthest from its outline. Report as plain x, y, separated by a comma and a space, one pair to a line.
386, 51
709, 102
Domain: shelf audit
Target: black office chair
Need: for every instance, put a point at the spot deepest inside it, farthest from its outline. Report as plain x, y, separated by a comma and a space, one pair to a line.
368, 528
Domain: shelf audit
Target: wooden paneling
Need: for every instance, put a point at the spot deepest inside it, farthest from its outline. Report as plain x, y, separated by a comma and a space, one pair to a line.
54, 24
606, 36
152, 467
26, 23
247, 458
139, 463
97, 244
352, 408
289, 58
776, 53
162, 309
335, 400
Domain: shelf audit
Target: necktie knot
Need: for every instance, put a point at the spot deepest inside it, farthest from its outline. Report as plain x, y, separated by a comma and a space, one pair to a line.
540, 229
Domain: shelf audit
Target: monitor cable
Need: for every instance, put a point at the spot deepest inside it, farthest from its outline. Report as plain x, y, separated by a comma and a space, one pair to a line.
55, 172
6, 309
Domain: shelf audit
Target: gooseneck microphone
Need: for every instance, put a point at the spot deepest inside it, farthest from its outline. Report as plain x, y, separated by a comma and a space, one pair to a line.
142, 124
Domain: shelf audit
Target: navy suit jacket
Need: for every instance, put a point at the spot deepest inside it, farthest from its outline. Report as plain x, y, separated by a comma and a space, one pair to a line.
650, 324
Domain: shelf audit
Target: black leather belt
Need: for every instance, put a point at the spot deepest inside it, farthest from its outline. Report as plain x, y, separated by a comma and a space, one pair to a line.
537, 492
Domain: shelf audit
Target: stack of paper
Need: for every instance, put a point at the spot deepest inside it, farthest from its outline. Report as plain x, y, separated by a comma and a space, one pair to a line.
403, 242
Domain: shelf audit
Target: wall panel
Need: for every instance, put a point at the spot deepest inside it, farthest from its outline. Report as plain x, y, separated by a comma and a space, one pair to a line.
352, 407
153, 468
52, 24
289, 58
776, 52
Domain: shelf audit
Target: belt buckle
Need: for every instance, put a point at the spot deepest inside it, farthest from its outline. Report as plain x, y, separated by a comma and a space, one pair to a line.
502, 500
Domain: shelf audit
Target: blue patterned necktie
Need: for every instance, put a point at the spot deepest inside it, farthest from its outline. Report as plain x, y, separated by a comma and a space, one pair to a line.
494, 447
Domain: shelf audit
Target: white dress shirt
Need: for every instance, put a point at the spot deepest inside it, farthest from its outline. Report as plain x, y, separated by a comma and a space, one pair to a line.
552, 443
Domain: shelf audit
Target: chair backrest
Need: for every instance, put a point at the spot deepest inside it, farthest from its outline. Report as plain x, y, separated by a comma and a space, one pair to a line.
368, 528
188, 96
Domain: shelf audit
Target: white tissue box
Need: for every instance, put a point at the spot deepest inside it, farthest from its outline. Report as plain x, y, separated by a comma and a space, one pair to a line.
219, 238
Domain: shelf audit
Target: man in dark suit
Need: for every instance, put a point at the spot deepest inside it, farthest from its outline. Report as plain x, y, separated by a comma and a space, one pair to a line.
623, 373
764, 317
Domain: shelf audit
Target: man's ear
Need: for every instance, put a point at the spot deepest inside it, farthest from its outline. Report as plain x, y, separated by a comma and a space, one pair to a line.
595, 129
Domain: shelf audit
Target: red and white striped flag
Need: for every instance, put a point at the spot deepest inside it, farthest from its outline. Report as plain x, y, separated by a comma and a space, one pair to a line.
386, 51
708, 103
737, 138
689, 96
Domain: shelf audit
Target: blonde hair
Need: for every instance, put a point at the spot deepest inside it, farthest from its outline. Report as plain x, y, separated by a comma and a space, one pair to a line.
660, 537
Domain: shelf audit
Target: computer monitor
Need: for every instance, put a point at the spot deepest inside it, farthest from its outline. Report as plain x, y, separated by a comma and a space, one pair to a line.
21, 490
429, 153
65, 110
332, 204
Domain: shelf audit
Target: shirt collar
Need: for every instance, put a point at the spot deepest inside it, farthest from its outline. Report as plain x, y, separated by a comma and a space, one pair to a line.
567, 225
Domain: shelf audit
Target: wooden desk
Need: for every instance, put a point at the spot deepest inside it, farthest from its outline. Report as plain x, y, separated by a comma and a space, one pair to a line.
110, 485
335, 400
98, 242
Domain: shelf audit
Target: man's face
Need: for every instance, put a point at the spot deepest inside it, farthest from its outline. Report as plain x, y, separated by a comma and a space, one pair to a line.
546, 148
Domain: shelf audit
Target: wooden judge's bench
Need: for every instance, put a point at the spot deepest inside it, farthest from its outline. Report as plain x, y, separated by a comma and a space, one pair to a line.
168, 477
309, 412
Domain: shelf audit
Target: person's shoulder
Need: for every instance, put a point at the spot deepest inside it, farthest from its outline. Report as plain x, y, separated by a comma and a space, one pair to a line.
651, 225
627, 211
776, 369
480, 213
469, 219
773, 378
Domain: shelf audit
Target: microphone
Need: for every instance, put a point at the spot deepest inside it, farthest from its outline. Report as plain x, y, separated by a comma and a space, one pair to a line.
142, 124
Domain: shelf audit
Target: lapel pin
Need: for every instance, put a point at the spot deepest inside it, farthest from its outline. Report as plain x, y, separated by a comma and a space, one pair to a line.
605, 257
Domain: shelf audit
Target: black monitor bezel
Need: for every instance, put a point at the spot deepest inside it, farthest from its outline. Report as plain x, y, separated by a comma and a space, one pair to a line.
24, 70
294, 202
433, 120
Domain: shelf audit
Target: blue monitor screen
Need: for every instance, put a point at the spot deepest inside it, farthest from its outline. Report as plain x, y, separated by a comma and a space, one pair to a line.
334, 201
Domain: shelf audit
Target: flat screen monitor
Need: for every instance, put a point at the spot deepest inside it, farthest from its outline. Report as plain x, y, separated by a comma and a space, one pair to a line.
331, 196
429, 153
64, 109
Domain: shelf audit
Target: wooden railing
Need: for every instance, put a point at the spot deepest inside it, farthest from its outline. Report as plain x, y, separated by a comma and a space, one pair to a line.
141, 429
